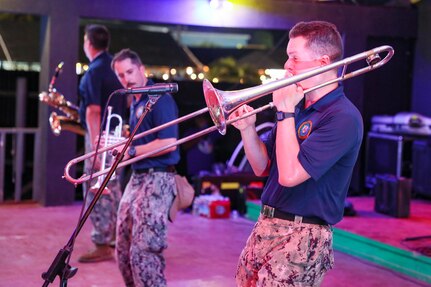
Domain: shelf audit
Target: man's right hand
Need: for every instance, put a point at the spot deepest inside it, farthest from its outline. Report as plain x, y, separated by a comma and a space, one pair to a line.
245, 123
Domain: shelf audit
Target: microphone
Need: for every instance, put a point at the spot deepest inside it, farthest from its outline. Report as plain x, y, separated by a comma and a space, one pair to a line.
151, 90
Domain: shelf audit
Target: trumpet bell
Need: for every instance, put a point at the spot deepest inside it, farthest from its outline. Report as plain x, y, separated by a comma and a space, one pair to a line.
95, 189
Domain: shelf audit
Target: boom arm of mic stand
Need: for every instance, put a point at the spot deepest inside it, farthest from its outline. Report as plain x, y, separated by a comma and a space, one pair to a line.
59, 266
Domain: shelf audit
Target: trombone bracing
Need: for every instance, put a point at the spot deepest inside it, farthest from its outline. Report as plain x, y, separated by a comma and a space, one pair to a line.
220, 104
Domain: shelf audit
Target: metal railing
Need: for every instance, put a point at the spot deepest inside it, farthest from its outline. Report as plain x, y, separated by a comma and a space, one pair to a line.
17, 150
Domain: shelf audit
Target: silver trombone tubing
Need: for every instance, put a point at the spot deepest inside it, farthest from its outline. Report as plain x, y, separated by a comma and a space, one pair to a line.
222, 103
85, 178
220, 108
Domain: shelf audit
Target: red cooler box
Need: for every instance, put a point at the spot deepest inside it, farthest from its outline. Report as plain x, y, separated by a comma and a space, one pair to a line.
219, 209
212, 206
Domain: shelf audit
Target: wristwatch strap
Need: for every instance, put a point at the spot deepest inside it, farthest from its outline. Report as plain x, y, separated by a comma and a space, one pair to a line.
282, 115
131, 151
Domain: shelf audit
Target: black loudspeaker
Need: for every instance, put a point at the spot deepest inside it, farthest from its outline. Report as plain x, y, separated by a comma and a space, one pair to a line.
421, 179
387, 154
392, 195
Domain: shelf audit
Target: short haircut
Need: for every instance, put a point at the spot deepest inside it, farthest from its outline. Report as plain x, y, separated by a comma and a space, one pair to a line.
322, 37
126, 54
98, 35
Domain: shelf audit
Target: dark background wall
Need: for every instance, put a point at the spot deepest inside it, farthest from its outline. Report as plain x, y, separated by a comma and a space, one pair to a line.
386, 91
421, 90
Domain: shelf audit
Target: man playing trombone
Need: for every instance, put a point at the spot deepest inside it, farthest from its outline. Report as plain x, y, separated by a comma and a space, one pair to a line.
309, 157
143, 212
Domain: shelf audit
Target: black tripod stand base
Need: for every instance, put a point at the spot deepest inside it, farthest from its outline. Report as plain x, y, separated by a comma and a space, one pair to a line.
60, 268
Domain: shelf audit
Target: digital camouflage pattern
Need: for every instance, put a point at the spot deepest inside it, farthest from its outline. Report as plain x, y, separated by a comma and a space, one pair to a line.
142, 228
104, 214
282, 253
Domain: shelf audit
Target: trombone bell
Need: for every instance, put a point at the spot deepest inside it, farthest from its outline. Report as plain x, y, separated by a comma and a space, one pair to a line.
214, 103
221, 103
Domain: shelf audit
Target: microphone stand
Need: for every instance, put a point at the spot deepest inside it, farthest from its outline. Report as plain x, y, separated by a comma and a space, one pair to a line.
60, 265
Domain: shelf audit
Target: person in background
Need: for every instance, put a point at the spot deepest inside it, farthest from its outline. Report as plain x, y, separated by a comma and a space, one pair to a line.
200, 152
309, 157
95, 86
144, 207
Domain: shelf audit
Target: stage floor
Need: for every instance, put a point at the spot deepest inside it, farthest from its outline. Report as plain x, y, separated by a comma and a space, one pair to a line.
387, 229
201, 252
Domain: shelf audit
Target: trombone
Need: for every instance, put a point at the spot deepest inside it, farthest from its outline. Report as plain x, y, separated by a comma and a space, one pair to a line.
220, 104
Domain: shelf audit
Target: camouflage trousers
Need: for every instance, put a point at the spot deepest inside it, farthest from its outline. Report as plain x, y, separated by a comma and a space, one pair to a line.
104, 215
284, 253
142, 228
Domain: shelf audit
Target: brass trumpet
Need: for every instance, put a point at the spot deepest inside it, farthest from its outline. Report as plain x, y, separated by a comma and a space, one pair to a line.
221, 104
109, 138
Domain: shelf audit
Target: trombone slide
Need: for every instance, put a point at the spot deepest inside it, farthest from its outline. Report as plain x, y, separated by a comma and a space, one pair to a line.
221, 104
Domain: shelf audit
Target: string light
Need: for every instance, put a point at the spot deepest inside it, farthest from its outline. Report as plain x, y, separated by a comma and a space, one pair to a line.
189, 70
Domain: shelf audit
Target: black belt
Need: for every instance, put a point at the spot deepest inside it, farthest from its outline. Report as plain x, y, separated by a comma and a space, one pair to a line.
271, 212
170, 168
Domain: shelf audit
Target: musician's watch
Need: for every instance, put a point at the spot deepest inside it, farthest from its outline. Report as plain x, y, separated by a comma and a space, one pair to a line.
131, 151
282, 115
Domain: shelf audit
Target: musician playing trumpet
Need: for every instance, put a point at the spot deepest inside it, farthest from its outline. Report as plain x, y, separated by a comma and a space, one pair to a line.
95, 86
309, 157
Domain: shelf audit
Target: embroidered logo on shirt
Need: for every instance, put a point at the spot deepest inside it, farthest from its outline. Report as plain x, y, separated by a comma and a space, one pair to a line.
139, 111
304, 130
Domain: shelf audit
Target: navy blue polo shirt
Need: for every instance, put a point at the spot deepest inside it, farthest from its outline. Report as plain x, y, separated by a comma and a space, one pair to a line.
97, 84
163, 111
330, 134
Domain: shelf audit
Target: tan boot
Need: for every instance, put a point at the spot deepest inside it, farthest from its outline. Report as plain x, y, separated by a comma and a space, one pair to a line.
100, 253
